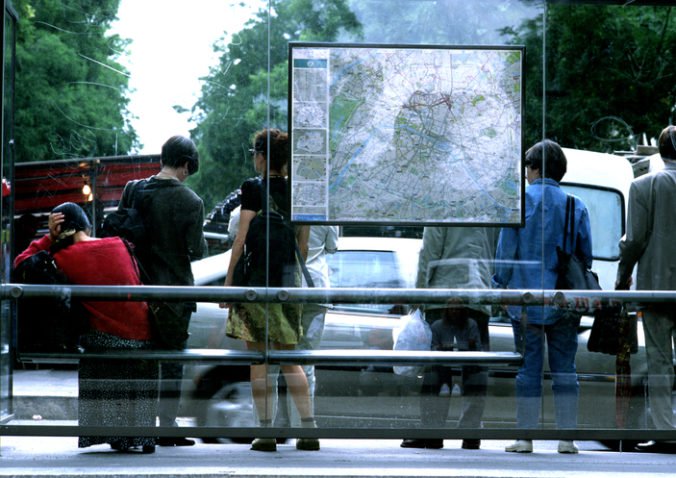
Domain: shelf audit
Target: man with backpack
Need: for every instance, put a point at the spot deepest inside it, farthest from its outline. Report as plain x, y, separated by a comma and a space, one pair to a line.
172, 216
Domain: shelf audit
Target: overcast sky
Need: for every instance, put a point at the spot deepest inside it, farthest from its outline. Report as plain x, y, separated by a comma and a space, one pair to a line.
171, 49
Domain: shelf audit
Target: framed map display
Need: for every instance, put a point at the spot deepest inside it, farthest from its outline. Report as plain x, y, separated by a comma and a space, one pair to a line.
406, 134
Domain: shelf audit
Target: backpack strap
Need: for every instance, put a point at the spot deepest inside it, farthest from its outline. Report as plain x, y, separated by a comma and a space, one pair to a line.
301, 261
569, 222
138, 268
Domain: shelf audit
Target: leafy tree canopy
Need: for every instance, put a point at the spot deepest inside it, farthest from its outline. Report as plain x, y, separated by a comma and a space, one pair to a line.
240, 97
71, 94
609, 74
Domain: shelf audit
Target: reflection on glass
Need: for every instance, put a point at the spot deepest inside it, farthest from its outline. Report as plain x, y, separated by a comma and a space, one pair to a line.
246, 89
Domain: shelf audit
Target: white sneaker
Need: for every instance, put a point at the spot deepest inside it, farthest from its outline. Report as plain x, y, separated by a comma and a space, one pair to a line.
520, 446
568, 446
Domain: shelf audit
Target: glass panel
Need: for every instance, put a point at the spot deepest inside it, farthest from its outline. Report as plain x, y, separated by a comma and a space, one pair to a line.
8, 34
88, 156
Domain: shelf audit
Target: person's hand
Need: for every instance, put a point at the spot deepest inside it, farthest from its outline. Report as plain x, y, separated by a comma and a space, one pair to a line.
626, 286
54, 222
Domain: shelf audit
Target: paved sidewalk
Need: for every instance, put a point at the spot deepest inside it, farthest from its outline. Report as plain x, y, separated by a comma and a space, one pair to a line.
42, 457
51, 395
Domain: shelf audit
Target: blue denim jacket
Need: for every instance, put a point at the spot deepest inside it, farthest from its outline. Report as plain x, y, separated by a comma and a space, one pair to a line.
526, 257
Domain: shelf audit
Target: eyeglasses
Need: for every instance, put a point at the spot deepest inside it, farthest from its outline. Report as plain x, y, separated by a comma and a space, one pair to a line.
255, 151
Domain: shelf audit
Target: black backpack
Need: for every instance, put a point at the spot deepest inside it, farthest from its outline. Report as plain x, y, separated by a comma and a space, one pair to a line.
47, 324
127, 221
275, 262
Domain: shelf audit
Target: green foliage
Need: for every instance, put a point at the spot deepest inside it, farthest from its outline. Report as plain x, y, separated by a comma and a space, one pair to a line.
247, 90
71, 95
609, 74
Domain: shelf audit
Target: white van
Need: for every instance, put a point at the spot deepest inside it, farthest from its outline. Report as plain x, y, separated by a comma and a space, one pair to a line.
602, 181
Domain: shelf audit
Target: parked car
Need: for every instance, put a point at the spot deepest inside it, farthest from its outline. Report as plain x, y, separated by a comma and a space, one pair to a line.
374, 395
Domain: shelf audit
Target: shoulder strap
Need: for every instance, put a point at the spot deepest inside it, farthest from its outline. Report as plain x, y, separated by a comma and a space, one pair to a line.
140, 272
301, 261
569, 222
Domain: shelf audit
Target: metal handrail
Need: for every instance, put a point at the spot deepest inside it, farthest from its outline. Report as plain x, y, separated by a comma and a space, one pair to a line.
579, 299
292, 357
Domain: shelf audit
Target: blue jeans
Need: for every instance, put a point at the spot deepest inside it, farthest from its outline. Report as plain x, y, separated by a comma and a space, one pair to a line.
561, 338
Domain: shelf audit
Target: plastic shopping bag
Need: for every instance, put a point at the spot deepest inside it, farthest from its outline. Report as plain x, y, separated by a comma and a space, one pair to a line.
414, 333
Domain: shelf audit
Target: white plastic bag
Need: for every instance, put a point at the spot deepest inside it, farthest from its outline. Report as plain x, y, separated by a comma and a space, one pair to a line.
414, 333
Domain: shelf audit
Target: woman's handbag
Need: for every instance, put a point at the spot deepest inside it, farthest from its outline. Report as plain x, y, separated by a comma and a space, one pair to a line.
613, 329
572, 272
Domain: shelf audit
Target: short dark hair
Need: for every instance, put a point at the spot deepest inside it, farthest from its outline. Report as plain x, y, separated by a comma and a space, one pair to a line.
278, 154
178, 150
550, 153
667, 143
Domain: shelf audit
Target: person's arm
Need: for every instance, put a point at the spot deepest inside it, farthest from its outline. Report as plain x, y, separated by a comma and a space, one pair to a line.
45, 242
303, 237
331, 240
42, 244
505, 256
635, 240
245, 218
431, 250
197, 243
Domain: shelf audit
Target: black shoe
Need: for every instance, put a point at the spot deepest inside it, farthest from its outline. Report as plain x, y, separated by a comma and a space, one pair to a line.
148, 449
432, 443
656, 447
175, 441
471, 444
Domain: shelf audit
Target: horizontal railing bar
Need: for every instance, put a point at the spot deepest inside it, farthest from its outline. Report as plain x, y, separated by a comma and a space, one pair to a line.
390, 357
296, 357
570, 298
334, 432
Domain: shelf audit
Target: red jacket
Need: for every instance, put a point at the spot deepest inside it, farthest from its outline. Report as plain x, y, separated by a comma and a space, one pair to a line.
101, 262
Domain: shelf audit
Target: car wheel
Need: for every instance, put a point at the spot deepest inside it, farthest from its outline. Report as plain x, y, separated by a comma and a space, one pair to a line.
223, 399
230, 407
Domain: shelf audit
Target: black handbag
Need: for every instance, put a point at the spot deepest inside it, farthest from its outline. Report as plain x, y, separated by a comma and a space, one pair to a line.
613, 330
573, 274
47, 324
170, 321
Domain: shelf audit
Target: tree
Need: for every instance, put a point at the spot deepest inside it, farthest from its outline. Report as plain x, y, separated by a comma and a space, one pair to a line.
242, 95
609, 74
71, 95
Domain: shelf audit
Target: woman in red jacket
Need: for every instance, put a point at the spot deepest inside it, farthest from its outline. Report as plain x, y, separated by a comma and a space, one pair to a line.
111, 392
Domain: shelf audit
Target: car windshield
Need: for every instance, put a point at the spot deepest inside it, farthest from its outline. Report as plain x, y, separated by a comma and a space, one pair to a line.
366, 270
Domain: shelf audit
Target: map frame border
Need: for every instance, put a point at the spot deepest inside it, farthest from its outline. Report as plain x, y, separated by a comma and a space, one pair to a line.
356, 45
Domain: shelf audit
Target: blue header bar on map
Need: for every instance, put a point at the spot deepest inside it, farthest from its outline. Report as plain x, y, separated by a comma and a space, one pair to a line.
309, 63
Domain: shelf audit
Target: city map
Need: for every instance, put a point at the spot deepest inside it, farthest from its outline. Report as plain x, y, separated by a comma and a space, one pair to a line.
406, 135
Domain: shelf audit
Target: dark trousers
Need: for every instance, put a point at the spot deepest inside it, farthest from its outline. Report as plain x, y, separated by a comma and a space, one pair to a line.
171, 376
474, 380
